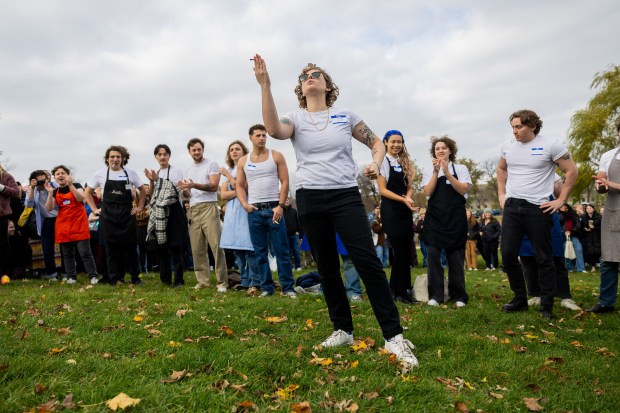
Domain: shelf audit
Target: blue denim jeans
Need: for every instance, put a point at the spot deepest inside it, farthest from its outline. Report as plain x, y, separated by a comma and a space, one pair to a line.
246, 261
424, 254
577, 264
351, 277
293, 246
263, 232
383, 253
609, 283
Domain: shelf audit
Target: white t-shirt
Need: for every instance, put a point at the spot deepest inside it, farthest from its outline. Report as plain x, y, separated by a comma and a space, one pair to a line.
263, 180
461, 171
200, 173
176, 174
324, 158
99, 178
388, 161
606, 158
531, 168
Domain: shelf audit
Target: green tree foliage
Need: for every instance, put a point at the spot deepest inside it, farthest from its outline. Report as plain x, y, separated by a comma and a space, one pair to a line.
591, 132
476, 176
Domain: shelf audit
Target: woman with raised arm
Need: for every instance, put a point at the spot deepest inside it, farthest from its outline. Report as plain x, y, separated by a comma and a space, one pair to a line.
328, 199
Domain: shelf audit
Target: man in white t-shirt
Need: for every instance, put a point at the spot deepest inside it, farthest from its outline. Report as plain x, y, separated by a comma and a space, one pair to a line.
200, 184
525, 182
608, 180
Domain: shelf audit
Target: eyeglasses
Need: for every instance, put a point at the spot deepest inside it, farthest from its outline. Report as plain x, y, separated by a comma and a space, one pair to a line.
306, 76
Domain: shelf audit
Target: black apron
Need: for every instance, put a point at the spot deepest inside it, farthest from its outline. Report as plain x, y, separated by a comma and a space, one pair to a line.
396, 217
445, 224
116, 221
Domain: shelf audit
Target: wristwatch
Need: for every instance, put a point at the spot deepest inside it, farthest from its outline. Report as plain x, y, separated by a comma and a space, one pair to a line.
281, 205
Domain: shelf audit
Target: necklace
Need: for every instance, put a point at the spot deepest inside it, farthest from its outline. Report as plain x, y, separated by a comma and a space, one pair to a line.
314, 123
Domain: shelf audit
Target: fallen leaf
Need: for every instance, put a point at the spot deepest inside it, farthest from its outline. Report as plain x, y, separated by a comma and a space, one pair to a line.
39, 388
55, 350
176, 376
47, 407
138, 319
510, 332
68, 402
72, 361
519, 349
239, 387
310, 323
551, 360
577, 344
496, 395
227, 330
532, 404
4, 367
353, 407
244, 407
121, 401
107, 356
274, 319
154, 332
173, 343
605, 352
181, 313
63, 331
321, 361
461, 407
299, 350
303, 407
221, 384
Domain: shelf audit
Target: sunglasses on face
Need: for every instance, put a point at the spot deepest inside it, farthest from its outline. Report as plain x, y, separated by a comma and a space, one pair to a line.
306, 76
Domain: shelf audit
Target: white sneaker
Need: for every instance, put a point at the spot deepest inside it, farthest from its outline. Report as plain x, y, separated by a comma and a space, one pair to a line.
433, 303
460, 304
290, 294
298, 269
570, 304
71, 281
402, 348
534, 301
264, 294
222, 289
338, 338
94, 280
356, 298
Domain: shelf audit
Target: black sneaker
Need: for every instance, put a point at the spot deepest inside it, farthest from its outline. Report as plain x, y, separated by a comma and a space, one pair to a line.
546, 314
600, 309
515, 305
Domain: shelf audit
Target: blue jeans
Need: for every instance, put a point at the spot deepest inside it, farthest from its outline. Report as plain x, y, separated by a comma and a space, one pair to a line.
424, 254
577, 264
351, 277
293, 246
48, 231
609, 284
246, 261
522, 217
263, 232
383, 253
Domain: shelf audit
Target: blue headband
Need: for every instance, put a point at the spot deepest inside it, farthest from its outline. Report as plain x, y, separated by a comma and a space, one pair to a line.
390, 133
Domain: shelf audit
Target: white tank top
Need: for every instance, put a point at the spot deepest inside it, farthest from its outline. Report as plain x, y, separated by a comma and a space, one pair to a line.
263, 181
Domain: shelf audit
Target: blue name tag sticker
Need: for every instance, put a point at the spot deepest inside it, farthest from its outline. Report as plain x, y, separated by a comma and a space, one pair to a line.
339, 119
537, 151
398, 168
251, 166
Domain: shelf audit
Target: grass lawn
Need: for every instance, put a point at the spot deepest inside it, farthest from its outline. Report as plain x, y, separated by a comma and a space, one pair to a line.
182, 350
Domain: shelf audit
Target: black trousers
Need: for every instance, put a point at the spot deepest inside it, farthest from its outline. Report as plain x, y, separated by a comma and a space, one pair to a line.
323, 212
522, 217
171, 257
456, 275
530, 270
400, 280
122, 257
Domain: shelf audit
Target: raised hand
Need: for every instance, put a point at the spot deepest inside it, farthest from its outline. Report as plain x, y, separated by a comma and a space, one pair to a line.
260, 71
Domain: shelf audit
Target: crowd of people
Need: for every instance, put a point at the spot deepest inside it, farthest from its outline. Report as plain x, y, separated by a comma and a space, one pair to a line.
118, 225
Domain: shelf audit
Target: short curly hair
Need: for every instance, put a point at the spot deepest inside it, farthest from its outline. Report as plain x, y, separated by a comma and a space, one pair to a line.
332, 88
450, 143
117, 148
528, 118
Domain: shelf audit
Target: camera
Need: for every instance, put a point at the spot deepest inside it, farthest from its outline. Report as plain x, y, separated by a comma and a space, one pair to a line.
40, 182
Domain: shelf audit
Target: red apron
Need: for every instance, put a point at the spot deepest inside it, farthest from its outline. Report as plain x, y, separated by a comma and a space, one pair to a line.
72, 221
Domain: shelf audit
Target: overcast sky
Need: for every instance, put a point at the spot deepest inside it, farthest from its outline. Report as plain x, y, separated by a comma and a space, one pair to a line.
78, 76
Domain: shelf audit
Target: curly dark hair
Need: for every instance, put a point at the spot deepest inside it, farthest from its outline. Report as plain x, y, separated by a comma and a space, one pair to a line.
67, 170
332, 88
450, 143
117, 148
244, 149
528, 118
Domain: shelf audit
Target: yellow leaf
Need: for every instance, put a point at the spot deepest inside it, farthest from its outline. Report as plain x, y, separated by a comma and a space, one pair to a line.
469, 386
58, 350
360, 346
321, 361
505, 341
174, 344
531, 336
310, 323
354, 364
122, 401
276, 319
303, 407
138, 318
227, 330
